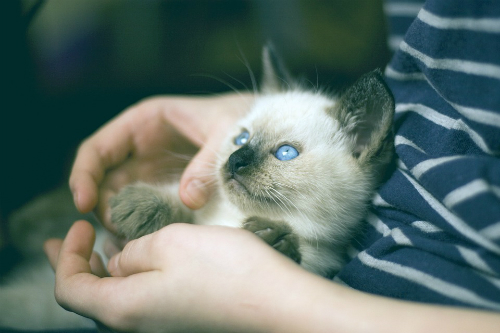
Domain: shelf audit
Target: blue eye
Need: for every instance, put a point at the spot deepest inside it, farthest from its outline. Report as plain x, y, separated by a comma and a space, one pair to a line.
241, 139
286, 153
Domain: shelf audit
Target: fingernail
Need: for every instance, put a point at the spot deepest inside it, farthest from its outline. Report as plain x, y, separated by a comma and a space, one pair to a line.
110, 248
113, 264
197, 193
75, 199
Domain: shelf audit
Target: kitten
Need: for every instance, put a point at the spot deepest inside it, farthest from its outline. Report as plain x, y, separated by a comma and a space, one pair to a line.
298, 170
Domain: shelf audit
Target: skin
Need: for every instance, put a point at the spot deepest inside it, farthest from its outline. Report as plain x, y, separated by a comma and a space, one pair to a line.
238, 284
133, 146
205, 278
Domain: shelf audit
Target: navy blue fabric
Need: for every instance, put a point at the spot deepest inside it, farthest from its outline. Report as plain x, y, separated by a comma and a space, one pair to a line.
433, 232
465, 8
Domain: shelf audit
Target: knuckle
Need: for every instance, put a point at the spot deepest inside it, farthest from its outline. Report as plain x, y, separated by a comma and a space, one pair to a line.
171, 235
61, 295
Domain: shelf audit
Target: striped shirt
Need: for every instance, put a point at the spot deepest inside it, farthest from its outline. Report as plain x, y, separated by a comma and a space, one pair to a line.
433, 234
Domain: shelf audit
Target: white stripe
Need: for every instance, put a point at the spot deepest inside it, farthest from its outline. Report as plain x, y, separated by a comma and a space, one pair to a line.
400, 238
446, 122
473, 259
402, 9
397, 75
426, 227
422, 167
398, 235
485, 117
492, 280
379, 201
492, 231
456, 65
401, 165
478, 139
491, 25
401, 140
428, 113
469, 191
453, 220
433, 283
377, 223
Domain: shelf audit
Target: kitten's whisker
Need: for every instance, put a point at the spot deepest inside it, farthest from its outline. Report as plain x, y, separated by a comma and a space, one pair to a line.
283, 205
224, 82
289, 86
295, 190
269, 195
237, 80
218, 155
250, 72
316, 89
282, 197
305, 219
262, 194
211, 165
184, 157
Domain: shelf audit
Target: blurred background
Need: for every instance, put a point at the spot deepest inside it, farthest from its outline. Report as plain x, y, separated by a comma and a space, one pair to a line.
68, 66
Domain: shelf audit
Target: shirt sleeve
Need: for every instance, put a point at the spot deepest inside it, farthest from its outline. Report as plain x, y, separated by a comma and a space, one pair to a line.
433, 234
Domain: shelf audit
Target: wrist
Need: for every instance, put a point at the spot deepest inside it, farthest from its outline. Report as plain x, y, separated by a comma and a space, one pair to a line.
289, 299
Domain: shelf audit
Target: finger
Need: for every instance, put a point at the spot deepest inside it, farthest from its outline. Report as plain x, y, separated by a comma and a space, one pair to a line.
75, 283
52, 248
138, 256
86, 175
75, 250
80, 291
105, 149
103, 211
195, 185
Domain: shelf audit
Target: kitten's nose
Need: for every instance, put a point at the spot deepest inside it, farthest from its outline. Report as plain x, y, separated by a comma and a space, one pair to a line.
240, 159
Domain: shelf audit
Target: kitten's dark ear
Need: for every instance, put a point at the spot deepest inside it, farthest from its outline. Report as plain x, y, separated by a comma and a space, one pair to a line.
276, 77
365, 111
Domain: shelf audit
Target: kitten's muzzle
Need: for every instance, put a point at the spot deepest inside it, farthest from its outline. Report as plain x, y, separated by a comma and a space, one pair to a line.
240, 160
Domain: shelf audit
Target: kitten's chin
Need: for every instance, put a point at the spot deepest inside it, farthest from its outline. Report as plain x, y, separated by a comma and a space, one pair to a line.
247, 201
239, 194
233, 186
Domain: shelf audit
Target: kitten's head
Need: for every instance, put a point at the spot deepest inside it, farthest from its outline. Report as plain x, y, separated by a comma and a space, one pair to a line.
303, 151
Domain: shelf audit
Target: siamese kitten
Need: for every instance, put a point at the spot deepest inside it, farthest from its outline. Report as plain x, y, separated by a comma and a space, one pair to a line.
298, 170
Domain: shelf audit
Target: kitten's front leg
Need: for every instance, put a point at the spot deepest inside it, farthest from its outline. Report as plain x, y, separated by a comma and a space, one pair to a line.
278, 234
140, 209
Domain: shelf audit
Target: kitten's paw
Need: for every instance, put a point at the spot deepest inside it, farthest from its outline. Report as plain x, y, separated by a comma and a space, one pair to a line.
278, 234
138, 210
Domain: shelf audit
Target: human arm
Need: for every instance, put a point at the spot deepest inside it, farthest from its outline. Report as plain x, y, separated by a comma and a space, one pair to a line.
140, 143
201, 278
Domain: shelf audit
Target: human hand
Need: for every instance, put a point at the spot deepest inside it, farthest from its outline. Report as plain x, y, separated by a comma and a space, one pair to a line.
180, 278
136, 145
191, 278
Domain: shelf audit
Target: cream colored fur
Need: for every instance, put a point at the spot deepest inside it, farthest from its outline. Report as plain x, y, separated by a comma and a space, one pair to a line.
322, 193
344, 145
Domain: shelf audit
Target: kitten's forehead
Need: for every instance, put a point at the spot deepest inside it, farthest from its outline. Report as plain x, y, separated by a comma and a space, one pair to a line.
295, 114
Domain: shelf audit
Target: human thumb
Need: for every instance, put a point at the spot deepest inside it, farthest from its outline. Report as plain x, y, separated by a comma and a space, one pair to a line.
196, 181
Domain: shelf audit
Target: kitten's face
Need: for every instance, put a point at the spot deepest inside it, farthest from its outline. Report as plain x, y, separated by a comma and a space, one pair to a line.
290, 155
